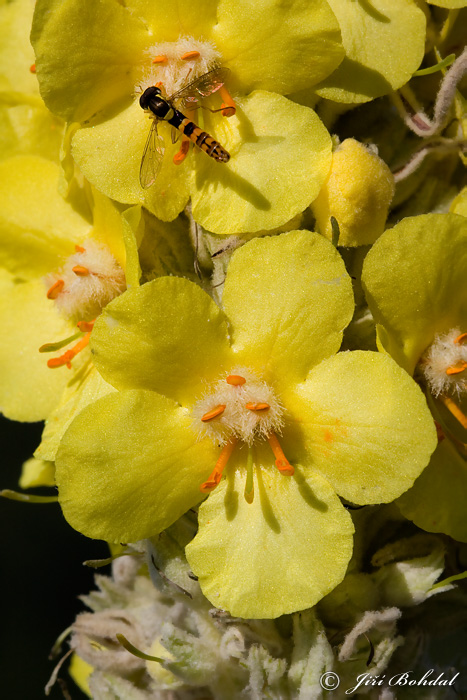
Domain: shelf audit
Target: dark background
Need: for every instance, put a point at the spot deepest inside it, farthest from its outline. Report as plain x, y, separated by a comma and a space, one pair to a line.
41, 576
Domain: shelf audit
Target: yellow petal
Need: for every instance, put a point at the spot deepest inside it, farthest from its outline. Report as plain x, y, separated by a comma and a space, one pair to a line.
280, 553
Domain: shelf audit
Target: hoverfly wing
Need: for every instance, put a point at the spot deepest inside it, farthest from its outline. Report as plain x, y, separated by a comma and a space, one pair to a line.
175, 134
203, 86
152, 157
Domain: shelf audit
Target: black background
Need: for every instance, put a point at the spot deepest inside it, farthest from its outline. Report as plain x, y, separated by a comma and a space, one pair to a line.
41, 576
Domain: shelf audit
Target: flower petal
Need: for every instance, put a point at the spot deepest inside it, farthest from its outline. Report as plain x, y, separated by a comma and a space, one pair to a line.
88, 54
281, 553
109, 153
37, 226
363, 423
29, 390
385, 43
16, 54
129, 465
281, 47
289, 298
170, 19
167, 335
36, 472
87, 387
415, 283
280, 157
436, 502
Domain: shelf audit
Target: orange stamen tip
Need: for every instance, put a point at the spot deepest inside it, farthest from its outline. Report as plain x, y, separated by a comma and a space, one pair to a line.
181, 154
85, 326
460, 338
32, 68
284, 467
221, 463
189, 54
257, 406
159, 84
456, 370
217, 411
80, 270
228, 110
210, 485
67, 356
281, 462
162, 58
235, 380
55, 289
228, 106
80, 249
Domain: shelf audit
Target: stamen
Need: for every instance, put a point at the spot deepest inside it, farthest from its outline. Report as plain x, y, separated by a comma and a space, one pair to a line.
80, 270
189, 54
455, 410
80, 249
67, 357
228, 106
32, 68
217, 411
55, 289
281, 462
181, 154
85, 326
235, 380
460, 338
162, 58
249, 492
159, 84
53, 347
456, 369
221, 463
257, 406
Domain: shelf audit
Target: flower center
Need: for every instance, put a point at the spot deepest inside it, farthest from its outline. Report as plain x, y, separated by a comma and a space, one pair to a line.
444, 366
88, 281
176, 64
240, 407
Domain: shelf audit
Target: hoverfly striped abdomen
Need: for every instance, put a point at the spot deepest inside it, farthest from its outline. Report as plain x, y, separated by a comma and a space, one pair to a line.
202, 139
163, 109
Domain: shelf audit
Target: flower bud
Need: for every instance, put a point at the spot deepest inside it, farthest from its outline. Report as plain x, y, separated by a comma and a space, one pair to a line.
357, 194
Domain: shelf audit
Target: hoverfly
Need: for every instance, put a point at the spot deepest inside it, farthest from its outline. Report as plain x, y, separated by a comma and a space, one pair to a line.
162, 108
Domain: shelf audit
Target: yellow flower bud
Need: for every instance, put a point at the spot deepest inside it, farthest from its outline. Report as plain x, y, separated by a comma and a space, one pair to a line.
357, 193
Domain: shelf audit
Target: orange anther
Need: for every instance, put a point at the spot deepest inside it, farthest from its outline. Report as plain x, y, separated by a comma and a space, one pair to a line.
80, 270
67, 357
460, 338
235, 380
162, 58
80, 249
189, 54
456, 370
159, 84
32, 68
85, 326
181, 154
251, 406
228, 106
281, 462
221, 463
217, 411
55, 289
